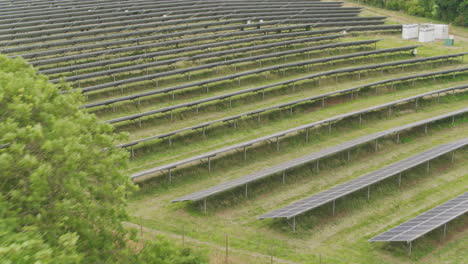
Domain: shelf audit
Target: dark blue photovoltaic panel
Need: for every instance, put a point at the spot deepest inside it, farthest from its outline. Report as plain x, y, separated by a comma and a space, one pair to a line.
427, 221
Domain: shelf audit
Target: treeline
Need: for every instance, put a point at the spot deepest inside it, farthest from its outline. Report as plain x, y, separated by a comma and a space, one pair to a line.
451, 11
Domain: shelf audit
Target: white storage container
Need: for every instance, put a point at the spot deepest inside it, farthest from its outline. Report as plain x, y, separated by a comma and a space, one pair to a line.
441, 31
426, 33
410, 31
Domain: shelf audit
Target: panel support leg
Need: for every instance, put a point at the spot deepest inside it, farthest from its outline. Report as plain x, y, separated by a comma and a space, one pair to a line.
245, 153
399, 180
307, 134
318, 166
445, 232
409, 247
453, 156
294, 224
368, 193
204, 205
277, 144
246, 191
333, 207
209, 165
284, 177
428, 166
349, 155
376, 146
170, 175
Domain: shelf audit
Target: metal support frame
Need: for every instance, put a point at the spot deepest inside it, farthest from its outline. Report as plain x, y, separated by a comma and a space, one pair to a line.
398, 137
376, 146
204, 205
368, 193
246, 191
410, 244
428, 166
445, 231
209, 164
349, 155
294, 224
317, 166
333, 207
399, 180
307, 135
453, 157
425, 129
277, 144
284, 177
245, 153
169, 173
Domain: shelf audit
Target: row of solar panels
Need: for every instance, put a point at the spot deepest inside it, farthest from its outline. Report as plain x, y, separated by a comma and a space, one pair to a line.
163, 27
143, 14
58, 11
154, 76
37, 5
341, 190
152, 18
245, 91
427, 221
241, 74
135, 96
293, 103
177, 51
295, 130
177, 42
150, 35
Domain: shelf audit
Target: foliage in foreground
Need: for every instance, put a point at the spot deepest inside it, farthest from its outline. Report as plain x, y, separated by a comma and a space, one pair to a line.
62, 198
455, 11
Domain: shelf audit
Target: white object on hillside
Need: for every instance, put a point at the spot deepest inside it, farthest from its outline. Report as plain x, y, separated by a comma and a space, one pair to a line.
426, 33
441, 31
410, 31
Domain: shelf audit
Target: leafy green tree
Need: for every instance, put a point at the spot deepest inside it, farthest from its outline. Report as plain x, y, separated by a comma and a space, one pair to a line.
63, 184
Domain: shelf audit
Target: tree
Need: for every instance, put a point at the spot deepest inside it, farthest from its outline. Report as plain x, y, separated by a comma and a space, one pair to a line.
63, 187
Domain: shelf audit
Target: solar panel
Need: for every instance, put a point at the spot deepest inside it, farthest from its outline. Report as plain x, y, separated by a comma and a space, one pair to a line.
224, 53
290, 104
344, 189
426, 222
304, 160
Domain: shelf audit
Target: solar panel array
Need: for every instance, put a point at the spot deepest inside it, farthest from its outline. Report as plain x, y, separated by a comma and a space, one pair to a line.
297, 129
426, 222
290, 164
293, 103
349, 187
119, 52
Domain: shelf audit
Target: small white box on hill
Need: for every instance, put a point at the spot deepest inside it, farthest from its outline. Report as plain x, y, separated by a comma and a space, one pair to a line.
410, 31
426, 33
441, 31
